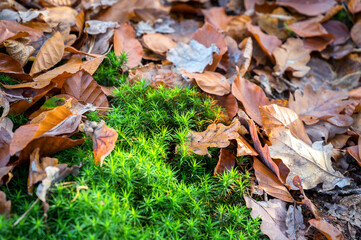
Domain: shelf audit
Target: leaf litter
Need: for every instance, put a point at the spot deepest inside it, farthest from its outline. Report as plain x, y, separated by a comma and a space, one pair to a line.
286, 73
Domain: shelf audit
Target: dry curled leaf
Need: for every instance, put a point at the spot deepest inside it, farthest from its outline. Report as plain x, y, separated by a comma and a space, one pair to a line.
273, 214
19, 50
226, 161
211, 82
50, 54
292, 56
216, 135
312, 164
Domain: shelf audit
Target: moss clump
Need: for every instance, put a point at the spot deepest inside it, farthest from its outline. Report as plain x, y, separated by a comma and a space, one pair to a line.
147, 188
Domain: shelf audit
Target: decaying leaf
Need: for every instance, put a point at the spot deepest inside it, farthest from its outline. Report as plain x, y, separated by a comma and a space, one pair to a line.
4, 105
192, 57
125, 41
19, 50
211, 82
226, 161
273, 214
270, 183
251, 96
216, 135
50, 54
292, 56
312, 164
296, 229
84, 88
95, 27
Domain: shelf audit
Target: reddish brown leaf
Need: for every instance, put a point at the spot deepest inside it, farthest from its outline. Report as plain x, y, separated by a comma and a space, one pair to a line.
226, 161
217, 17
317, 43
22, 136
158, 43
84, 88
104, 139
251, 96
267, 42
13, 30
327, 229
126, 41
12, 67
50, 54
308, 28
208, 35
229, 103
270, 183
309, 8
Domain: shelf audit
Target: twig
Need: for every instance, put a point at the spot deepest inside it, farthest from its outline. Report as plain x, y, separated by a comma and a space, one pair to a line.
25, 213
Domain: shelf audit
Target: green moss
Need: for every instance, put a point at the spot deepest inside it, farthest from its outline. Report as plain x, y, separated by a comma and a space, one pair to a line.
148, 188
7, 80
345, 17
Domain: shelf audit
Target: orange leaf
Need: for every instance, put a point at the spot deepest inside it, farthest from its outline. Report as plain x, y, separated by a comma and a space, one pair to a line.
327, 229
158, 43
268, 43
217, 17
104, 139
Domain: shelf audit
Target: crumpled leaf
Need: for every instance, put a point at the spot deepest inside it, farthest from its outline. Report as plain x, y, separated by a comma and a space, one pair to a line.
19, 50
126, 41
216, 135
273, 214
5, 206
4, 105
270, 183
312, 164
292, 56
310, 8
84, 88
274, 116
50, 54
5, 139
294, 222
226, 161
323, 104
211, 82
192, 57
95, 27
158, 27
251, 96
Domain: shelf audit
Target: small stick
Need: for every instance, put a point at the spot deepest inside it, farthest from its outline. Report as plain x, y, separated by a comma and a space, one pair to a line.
25, 213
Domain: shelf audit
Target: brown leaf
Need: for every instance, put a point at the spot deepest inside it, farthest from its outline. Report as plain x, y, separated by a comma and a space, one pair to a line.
308, 28
61, 15
247, 48
268, 43
48, 145
216, 135
310, 8
270, 183
354, 6
312, 164
338, 30
355, 33
244, 148
22, 136
12, 67
158, 43
251, 96
323, 104
126, 41
274, 116
37, 168
273, 214
13, 30
104, 139
210, 82
217, 17
226, 161
208, 35
84, 88
292, 56
229, 103
264, 152
5, 140
19, 50
327, 229
50, 54
5, 206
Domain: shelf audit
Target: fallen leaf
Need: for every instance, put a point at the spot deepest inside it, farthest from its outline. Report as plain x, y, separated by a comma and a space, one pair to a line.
323, 131
355, 33
229, 103
50, 54
270, 183
125, 41
323, 104
296, 229
311, 8
216, 135
158, 43
5, 205
244, 148
268, 43
251, 96
19, 50
308, 28
95, 27
273, 214
84, 88
312, 164
292, 56
104, 139
247, 48
226, 161
354, 6
13, 30
326, 229
274, 116
217, 17
12, 67
192, 57
211, 82
22, 136
338, 30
